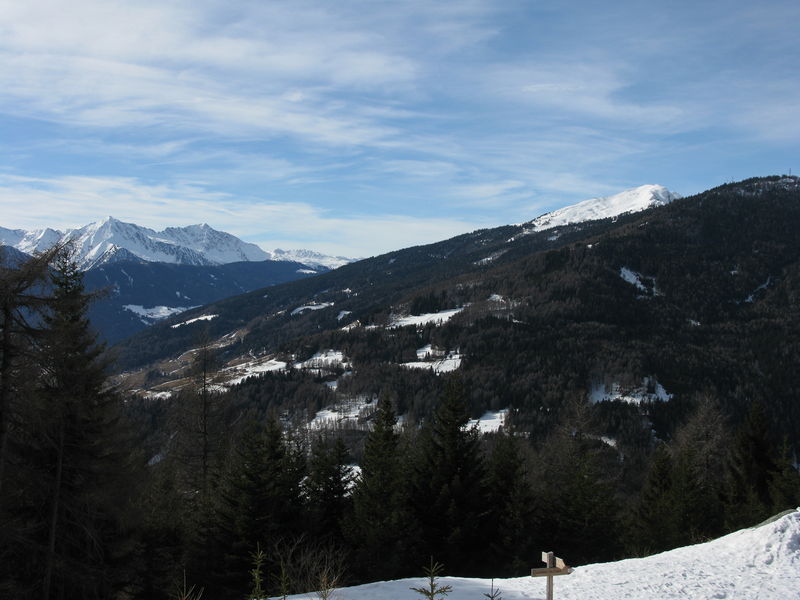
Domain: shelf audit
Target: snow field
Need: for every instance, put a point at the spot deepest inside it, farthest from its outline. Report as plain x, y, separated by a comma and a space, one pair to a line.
761, 563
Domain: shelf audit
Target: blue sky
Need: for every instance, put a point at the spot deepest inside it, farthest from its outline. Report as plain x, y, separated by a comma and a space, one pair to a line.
355, 128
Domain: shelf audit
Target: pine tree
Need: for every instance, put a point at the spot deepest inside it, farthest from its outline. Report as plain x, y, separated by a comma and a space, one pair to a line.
751, 470
77, 457
652, 525
327, 489
448, 488
379, 521
259, 503
577, 511
433, 589
511, 501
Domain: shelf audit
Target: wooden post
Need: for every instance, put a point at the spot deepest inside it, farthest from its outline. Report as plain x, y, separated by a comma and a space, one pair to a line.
555, 566
550, 560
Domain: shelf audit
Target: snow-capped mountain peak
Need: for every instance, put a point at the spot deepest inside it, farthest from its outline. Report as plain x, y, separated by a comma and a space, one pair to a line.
310, 258
629, 201
109, 239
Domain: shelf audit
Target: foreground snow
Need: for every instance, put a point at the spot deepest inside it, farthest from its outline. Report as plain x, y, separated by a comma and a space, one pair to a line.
762, 563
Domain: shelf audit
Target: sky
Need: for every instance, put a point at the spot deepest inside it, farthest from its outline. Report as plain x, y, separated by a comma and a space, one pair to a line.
358, 127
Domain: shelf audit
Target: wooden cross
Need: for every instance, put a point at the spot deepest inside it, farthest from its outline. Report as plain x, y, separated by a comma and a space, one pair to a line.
555, 566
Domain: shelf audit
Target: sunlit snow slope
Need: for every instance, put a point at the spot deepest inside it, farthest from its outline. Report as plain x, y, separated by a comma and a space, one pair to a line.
761, 563
634, 200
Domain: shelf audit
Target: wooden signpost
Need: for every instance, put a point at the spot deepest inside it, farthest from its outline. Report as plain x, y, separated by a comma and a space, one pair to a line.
555, 566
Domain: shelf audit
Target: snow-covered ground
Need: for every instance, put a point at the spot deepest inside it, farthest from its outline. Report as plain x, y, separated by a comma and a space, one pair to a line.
252, 368
155, 313
449, 363
347, 411
762, 563
491, 421
436, 318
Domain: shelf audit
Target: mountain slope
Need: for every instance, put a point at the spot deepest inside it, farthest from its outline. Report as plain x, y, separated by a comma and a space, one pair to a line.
139, 293
653, 307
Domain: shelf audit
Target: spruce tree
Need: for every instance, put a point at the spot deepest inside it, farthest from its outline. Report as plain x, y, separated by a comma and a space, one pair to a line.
77, 456
652, 526
449, 499
754, 470
511, 501
379, 521
327, 489
258, 504
577, 511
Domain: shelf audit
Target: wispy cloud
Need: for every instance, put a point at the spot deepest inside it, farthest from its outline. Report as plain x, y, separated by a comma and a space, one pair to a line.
351, 111
70, 202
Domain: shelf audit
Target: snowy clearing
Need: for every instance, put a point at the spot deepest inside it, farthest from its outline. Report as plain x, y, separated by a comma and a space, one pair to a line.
327, 359
349, 410
762, 562
155, 313
253, 368
437, 318
451, 362
490, 422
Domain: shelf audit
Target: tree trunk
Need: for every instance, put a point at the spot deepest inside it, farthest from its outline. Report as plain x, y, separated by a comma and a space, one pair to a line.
51, 542
5, 389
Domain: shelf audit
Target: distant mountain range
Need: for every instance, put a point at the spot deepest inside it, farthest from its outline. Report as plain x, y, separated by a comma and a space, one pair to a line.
148, 275
111, 240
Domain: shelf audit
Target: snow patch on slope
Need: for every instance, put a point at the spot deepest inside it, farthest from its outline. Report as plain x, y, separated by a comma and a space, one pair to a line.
190, 321
155, 313
449, 363
437, 318
490, 421
313, 306
643, 283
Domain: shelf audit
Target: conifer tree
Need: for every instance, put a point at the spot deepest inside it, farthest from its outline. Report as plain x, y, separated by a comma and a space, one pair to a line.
22, 296
259, 503
77, 458
379, 519
448, 488
511, 501
327, 489
754, 473
577, 511
652, 525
